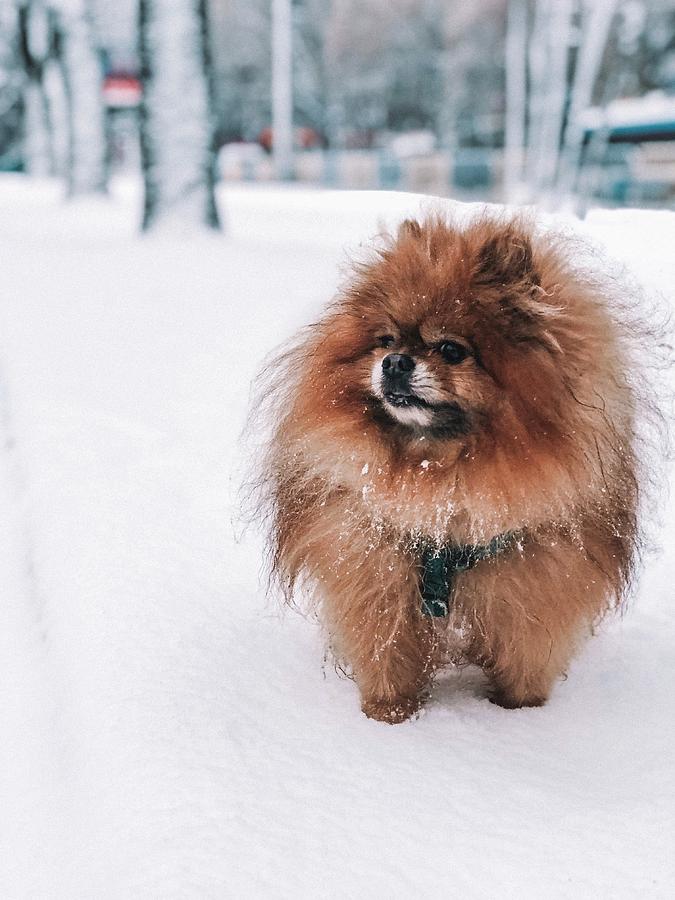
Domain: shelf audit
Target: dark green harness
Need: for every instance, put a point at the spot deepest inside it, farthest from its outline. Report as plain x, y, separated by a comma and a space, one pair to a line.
441, 564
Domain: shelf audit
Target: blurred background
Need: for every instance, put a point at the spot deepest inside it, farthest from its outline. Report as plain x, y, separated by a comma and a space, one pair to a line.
561, 102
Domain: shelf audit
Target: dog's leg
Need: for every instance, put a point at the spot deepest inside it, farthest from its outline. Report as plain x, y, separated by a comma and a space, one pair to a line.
393, 666
376, 625
526, 616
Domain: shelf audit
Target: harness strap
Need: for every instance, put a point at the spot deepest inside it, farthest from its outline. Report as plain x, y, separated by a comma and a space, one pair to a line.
441, 564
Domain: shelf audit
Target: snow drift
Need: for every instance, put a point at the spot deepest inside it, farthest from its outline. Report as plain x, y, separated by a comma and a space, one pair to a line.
166, 731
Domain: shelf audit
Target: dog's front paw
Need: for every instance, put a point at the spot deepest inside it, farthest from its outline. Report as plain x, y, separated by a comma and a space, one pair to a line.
509, 700
392, 711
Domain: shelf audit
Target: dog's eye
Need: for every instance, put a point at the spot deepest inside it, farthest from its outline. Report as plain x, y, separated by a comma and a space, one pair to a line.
386, 340
453, 352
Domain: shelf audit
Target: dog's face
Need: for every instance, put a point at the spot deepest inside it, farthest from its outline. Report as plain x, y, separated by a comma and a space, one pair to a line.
428, 378
436, 336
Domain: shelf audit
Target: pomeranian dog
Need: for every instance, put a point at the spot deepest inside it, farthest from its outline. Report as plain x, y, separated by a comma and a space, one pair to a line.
454, 458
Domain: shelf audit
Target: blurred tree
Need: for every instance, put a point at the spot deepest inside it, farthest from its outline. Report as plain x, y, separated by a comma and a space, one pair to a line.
37, 41
366, 68
386, 65
359, 59
360, 66
177, 123
315, 96
549, 78
640, 52
64, 131
474, 74
82, 72
595, 25
515, 90
414, 94
282, 88
240, 38
11, 99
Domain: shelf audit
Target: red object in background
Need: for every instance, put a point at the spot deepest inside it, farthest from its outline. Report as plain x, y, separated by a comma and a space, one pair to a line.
265, 139
304, 138
121, 91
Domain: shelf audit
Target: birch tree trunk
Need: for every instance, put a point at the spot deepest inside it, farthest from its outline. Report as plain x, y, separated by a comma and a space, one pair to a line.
597, 21
87, 158
38, 147
55, 91
282, 89
516, 100
554, 95
537, 62
35, 47
177, 151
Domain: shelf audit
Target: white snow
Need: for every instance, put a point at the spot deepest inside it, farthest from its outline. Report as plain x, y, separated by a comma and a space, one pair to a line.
652, 108
166, 731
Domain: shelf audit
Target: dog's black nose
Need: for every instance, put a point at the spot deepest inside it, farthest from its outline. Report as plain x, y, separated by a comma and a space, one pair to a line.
397, 364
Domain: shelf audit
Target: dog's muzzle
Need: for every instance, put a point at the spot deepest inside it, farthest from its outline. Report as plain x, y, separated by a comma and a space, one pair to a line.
397, 369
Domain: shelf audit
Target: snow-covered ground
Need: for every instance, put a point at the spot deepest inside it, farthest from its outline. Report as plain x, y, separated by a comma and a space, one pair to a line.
166, 732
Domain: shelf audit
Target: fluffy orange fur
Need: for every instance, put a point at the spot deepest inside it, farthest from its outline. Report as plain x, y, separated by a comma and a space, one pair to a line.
532, 432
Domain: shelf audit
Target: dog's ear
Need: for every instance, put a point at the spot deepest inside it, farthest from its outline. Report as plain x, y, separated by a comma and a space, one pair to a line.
409, 228
506, 261
507, 258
